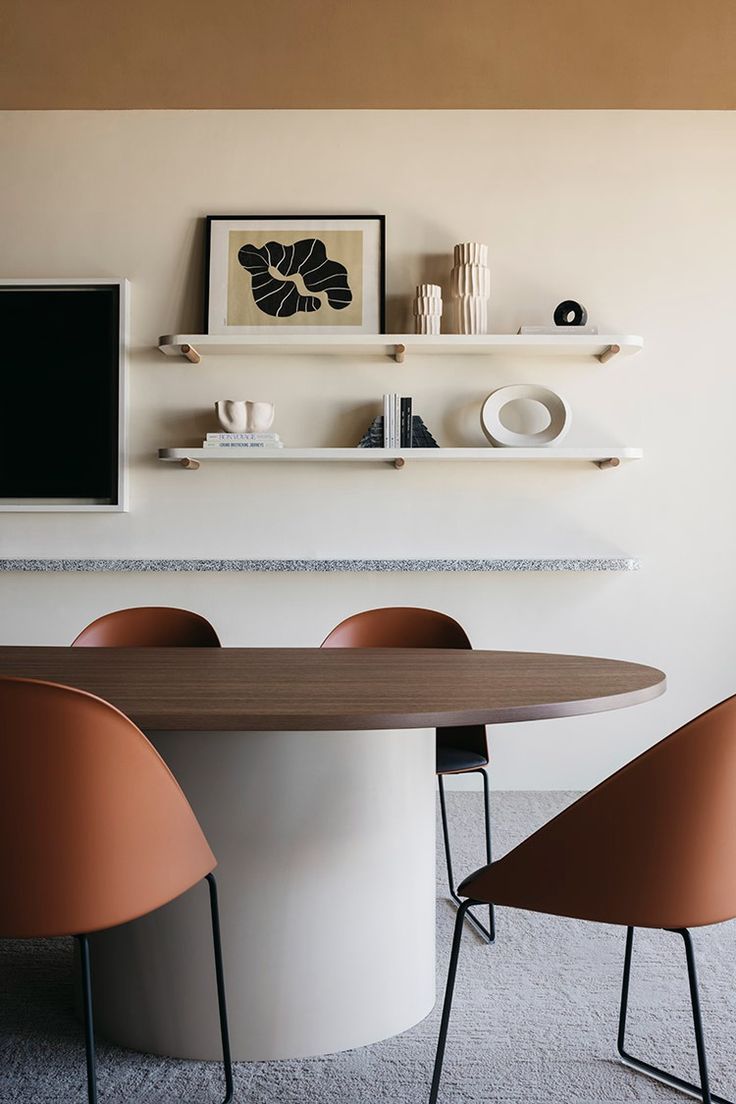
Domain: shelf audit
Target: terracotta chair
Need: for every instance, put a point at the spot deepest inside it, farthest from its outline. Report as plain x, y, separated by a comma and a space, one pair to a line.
654, 846
459, 750
94, 830
148, 627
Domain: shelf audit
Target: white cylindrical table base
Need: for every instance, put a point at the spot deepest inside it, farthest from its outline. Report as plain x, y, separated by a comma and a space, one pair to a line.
325, 842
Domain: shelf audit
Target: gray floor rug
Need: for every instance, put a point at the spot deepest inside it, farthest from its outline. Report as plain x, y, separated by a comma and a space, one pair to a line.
534, 1019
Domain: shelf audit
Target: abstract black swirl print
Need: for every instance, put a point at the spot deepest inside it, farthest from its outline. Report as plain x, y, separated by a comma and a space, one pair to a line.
287, 279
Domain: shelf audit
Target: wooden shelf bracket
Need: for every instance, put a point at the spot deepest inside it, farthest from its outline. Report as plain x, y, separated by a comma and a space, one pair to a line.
189, 464
190, 353
400, 354
609, 462
609, 353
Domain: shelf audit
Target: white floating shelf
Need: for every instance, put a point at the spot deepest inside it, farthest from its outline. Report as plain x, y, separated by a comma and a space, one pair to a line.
399, 346
604, 457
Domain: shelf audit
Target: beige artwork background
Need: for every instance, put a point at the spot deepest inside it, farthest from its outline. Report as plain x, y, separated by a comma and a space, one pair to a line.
345, 246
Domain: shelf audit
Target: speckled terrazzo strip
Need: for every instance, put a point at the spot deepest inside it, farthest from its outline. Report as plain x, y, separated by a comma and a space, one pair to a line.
615, 564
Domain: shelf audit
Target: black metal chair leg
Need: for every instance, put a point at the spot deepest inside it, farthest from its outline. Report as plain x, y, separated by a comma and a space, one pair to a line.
89, 1026
221, 1002
488, 935
89, 1031
489, 847
702, 1091
692, 978
447, 1005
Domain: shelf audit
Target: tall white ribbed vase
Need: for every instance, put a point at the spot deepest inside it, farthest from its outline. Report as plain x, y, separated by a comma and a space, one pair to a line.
427, 309
471, 287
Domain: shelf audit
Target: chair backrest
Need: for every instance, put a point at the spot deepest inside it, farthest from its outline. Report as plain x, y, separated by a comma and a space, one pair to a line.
411, 627
94, 829
398, 627
652, 846
148, 627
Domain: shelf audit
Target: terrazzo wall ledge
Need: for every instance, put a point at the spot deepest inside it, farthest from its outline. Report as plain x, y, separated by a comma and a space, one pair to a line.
611, 564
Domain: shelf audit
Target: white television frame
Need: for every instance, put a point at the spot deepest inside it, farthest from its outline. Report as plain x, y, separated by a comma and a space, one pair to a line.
121, 506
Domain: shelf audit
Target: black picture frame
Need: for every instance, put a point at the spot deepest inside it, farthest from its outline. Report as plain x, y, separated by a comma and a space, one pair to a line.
210, 220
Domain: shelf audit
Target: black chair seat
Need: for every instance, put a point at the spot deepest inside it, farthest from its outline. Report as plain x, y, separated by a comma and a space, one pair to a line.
450, 760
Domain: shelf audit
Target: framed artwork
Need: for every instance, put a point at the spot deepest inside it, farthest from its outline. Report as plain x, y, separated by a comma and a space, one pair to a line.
81, 389
295, 274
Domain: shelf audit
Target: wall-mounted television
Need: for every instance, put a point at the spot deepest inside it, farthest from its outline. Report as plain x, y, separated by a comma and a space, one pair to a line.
62, 394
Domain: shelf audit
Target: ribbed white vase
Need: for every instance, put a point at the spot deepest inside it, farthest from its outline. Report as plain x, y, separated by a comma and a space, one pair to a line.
427, 309
471, 287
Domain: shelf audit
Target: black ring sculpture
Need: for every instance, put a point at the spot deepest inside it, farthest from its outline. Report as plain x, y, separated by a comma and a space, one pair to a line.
307, 258
570, 307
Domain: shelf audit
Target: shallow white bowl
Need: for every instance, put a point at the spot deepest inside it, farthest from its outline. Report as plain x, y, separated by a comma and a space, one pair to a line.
498, 434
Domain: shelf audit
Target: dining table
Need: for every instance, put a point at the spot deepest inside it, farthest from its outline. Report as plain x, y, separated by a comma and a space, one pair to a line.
312, 773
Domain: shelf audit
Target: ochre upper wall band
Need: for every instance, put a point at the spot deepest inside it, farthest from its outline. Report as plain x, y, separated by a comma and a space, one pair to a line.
75, 54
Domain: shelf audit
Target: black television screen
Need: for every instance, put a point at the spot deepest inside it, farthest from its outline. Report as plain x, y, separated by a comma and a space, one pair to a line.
60, 406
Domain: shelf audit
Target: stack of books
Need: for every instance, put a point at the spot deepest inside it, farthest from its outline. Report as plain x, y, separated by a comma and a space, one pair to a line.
242, 440
397, 421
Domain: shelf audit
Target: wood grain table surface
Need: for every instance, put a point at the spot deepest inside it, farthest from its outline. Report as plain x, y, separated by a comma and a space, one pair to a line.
294, 689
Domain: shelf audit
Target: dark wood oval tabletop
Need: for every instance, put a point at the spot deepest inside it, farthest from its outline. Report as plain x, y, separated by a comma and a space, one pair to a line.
294, 689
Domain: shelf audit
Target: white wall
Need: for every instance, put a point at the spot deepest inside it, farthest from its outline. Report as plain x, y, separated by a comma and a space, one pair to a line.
633, 213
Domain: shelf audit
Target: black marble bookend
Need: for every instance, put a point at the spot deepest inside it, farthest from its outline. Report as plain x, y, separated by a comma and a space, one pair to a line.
420, 435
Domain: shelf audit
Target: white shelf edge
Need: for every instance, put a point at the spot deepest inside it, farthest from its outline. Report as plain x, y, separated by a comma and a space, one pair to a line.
400, 345
609, 456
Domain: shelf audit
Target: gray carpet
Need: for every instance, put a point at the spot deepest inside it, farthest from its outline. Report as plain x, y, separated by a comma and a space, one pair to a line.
534, 1019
